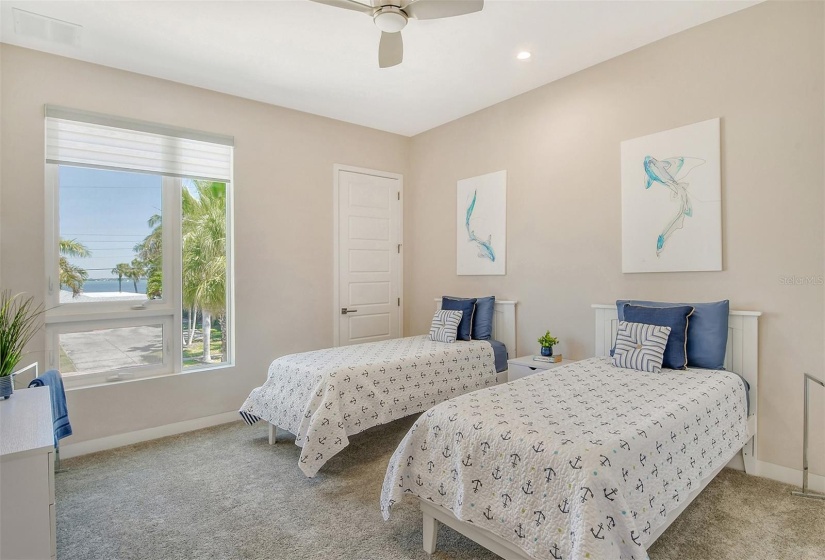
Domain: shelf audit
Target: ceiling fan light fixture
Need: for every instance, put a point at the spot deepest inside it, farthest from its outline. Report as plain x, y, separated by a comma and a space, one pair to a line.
390, 19
391, 16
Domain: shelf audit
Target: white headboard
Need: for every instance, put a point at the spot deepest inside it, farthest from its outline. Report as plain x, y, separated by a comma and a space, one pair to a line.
504, 324
741, 356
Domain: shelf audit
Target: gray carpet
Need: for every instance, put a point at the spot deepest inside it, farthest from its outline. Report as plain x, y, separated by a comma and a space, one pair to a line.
224, 493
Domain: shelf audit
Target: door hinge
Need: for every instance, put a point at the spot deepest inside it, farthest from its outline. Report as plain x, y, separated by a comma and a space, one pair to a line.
399, 302
399, 195
399, 248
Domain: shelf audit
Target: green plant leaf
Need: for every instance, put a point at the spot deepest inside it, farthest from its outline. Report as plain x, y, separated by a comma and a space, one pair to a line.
19, 322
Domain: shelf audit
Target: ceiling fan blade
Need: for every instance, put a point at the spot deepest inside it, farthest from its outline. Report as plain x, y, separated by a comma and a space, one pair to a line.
435, 9
347, 5
390, 50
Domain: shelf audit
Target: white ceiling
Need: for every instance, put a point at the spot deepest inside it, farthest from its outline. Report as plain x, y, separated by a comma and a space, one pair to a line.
323, 60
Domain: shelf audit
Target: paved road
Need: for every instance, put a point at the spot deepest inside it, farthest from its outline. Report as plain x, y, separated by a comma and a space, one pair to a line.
112, 349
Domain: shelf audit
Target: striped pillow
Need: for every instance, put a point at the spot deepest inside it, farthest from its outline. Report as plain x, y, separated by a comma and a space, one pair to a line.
640, 347
445, 325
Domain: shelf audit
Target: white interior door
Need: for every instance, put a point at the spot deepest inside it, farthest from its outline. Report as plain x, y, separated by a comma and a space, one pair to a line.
368, 302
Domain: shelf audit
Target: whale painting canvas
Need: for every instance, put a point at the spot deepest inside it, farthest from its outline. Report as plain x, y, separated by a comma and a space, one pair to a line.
481, 247
672, 200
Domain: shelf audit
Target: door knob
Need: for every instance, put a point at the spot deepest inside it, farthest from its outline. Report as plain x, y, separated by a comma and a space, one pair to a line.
344, 311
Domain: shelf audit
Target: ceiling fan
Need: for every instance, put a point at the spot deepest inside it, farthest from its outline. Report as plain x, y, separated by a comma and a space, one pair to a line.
391, 16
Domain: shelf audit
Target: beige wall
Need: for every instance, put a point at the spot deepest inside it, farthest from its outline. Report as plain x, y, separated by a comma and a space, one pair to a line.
283, 225
761, 70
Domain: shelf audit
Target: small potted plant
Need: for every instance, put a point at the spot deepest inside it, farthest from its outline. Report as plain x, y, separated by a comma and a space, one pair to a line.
547, 342
19, 322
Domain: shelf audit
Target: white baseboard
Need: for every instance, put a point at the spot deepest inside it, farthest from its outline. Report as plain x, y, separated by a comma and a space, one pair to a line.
119, 440
790, 476
816, 482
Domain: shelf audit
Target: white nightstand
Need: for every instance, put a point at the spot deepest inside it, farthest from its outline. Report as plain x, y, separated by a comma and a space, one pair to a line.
526, 365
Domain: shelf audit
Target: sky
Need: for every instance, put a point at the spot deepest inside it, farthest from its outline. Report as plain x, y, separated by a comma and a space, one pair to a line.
108, 212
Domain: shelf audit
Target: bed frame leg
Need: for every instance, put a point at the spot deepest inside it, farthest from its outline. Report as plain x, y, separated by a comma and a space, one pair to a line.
430, 532
749, 456
273, 429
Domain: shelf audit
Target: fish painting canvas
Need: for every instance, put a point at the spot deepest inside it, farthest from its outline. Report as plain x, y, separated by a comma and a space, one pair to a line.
672, 200
481, 226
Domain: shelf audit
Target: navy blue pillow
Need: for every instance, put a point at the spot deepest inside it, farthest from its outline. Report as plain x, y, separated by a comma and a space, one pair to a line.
482, 316
707, 337
674, 317
466, 306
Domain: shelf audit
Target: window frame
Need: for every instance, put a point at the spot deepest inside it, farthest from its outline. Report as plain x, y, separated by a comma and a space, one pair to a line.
167, 310
170, 200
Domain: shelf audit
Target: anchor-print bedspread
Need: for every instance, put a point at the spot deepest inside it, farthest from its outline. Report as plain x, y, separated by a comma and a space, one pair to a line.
584, 461
327, 395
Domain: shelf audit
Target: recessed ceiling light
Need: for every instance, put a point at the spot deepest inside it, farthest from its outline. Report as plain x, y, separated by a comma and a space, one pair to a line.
523, 55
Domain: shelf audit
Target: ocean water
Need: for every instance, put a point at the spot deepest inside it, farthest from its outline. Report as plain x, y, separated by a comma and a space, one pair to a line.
111, 285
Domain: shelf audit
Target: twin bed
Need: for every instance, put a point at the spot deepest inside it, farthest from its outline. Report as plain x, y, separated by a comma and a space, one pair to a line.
583, 461
325, 396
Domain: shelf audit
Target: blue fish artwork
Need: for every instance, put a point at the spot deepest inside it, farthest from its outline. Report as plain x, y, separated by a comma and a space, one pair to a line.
485, 248
670, 172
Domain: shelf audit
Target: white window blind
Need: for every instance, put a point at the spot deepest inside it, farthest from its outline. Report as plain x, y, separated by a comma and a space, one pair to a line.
92, 140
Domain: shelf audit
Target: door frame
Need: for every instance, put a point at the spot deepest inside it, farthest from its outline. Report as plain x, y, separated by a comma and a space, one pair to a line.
336, 298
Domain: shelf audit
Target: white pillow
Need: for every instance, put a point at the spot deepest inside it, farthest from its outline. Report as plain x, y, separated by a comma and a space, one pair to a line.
640, 347
445, 325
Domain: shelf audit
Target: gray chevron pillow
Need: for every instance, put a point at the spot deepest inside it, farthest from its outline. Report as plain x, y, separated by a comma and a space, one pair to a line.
640, 347
445, 325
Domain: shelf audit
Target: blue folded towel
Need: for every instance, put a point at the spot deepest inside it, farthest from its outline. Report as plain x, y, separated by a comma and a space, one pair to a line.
60, 414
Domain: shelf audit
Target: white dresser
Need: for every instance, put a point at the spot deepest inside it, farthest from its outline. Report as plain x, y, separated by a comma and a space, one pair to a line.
27, 516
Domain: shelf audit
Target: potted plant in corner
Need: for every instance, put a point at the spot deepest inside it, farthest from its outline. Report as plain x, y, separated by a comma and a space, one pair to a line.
19, 321
547, 342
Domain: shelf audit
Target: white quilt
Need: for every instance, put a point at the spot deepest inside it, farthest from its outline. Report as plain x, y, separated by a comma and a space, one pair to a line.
584, 461
327, 395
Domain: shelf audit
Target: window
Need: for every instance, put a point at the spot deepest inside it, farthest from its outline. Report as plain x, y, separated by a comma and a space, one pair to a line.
205, 278
139, 254
109, 224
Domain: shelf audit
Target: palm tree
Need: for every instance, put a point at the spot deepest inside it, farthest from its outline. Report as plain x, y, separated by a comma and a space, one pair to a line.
150, 253
189, 303
204, 255
72, 276
74, 248
135, 272
121, 269
154, 284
